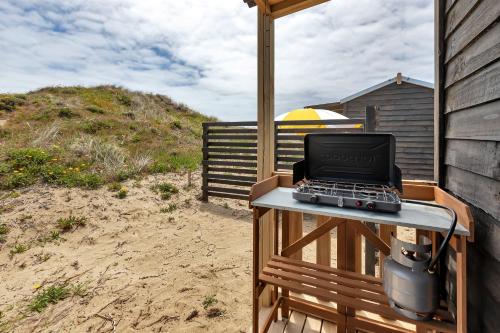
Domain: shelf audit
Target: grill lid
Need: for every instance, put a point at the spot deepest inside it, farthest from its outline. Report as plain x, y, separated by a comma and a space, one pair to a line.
359, 158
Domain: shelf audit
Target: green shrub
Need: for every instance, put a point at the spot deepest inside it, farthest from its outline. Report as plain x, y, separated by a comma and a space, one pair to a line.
169, 209
18, 248
93, 126
114, 187
10, 102
51, 295
124, 100
176, 125
66, 113
166, 190
4, 229
124, 174
71, 222
122, 193
95, 109
27, 158
4, 168
209, 301
17, 180
159, 167
70, 177
185, 161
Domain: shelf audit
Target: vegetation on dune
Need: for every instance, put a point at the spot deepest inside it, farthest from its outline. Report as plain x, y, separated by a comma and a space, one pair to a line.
85, 137
166, 190
55, 294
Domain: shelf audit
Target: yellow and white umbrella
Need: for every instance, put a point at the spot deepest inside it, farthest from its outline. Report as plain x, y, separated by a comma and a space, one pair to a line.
313, 114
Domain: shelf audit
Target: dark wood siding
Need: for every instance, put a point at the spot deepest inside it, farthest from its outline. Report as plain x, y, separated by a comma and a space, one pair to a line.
406, 110
469, 80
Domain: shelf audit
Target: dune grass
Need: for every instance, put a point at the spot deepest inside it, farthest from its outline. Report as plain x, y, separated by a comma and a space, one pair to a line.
86, 137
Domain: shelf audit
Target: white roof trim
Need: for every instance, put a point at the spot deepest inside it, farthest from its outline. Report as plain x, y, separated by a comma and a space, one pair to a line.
386, 83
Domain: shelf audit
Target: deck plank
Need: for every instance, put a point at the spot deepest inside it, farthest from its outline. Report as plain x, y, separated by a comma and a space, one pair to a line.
312, 325
328, 327
295, 323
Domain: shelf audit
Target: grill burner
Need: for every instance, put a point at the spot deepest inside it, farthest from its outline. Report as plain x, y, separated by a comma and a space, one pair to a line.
380, 198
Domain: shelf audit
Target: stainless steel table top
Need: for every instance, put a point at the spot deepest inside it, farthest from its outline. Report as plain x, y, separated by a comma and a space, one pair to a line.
411, 215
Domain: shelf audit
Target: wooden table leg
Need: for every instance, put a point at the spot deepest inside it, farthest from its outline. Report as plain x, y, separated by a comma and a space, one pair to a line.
462, 285
385, 234
343, 263
285, 241
323, 244
275, 252
255, 271
296, 231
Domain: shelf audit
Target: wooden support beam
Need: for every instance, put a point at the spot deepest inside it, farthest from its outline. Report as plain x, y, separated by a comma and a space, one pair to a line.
323, 244
265, 128
310, 237
295, 231
288, 7
371, 236
385, 234
439, 97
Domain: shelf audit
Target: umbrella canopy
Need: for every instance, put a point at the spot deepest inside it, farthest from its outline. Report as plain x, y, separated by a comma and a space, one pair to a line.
312, 114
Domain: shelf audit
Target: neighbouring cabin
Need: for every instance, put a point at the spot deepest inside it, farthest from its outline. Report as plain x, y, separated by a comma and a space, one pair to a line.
404, 107
468, 154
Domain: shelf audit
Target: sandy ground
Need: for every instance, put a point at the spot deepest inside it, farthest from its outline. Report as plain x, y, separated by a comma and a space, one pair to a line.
142, 270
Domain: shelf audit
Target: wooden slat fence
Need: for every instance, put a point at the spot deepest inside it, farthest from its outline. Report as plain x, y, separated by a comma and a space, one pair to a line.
230, 152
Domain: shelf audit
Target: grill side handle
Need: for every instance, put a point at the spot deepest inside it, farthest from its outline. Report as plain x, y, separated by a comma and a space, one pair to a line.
298, 171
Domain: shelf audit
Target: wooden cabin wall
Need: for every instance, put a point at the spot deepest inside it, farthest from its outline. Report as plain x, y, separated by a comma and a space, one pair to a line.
407, 111
468, 79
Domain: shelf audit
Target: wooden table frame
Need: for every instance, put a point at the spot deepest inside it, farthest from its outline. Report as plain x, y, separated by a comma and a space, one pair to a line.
345, 285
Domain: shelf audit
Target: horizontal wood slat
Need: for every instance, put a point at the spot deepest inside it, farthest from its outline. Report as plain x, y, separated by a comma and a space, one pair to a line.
479, 157
232, 157
231, 176
232, 137
231, 144
226, 190
232, 130
228, 195
233, 170
313, 281
476, 22
486, 50
230, 150
230, 163
476, 123
230, 182
482, 87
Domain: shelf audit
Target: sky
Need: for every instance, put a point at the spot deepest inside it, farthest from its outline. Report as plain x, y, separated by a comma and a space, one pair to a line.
203, 53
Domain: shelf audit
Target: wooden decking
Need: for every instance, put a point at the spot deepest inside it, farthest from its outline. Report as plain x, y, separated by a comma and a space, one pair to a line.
298, 323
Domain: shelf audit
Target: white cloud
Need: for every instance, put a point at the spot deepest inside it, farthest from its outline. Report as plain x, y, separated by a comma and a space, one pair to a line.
203, 53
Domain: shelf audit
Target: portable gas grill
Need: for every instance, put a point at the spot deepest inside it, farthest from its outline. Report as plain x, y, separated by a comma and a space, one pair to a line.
349, 170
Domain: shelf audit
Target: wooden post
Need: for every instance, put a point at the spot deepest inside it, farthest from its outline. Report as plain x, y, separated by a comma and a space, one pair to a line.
462, 285
204, 175
439, 101
385, 234
265, 127
295, 231
370, 121
323, 244
370, 258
